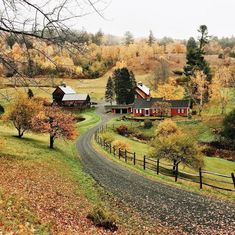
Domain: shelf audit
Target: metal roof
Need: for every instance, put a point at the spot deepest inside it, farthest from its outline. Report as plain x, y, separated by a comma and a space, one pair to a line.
67, 89
143, 88
75, 97
143, 103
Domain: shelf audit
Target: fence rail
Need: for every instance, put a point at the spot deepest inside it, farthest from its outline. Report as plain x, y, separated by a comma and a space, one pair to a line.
169, 169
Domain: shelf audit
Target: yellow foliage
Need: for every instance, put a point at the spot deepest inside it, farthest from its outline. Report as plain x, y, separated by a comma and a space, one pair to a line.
118, 144
167, 128
169, 90
120, 65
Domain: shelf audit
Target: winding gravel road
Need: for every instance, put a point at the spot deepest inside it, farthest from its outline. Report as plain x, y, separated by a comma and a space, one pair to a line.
194, 213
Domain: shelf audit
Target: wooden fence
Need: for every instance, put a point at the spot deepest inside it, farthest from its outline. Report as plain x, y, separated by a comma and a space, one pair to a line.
220, 181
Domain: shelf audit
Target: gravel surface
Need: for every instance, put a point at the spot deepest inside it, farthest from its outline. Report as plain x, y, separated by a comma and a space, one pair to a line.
194, 213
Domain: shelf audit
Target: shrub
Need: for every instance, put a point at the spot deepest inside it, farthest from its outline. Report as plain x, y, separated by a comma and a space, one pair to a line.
122, 130
102, 218
166, 128
107, 137
118, 144
148, 123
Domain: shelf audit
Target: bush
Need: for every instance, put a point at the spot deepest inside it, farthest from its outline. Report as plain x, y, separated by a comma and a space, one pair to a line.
123, 130
148, 123
102, 218
166, 128
107, 137
118, 144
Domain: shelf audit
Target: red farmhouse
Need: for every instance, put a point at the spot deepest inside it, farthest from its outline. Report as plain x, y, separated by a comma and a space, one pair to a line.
145, 106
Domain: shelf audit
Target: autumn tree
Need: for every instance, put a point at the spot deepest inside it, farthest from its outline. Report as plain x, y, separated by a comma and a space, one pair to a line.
219, 91
172, 144
166, 128
124, 86
109, 92
22, 112
160, 75
47, 22
55, 122
162, 108
169, 90
198, 88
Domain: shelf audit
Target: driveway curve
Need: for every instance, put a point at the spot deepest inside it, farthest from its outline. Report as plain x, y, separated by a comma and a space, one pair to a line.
194, 213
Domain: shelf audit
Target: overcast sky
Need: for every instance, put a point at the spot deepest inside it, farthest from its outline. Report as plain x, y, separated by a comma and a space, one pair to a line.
174, 18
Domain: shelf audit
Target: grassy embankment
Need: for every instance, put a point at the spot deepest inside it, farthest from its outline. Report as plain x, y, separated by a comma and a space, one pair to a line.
43, 190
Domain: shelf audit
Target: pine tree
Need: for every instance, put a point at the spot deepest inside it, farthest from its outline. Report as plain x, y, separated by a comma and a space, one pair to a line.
109, 93
195, 58
151, 38
125, 85
30, 94
129, 39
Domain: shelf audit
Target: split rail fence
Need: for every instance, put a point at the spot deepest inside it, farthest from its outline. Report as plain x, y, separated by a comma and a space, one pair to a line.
211, 179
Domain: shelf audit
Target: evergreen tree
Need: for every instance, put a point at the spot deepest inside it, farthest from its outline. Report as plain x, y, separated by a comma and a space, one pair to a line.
151, 38
98, 37
129, 39
109, 93
196, 60
125, 84
30, 94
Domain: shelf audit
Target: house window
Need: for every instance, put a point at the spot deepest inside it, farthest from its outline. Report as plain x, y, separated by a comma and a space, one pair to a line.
182, 110
179, 111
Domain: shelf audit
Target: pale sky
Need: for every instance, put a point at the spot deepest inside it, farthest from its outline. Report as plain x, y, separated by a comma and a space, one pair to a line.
174, 18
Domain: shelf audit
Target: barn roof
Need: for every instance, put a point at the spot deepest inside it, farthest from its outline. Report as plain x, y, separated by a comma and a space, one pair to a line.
75, 97
143, 88
143, 103
67, 89
179, 103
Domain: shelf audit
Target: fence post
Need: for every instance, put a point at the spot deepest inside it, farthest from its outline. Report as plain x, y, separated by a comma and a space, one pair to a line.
110, 147
119, 153
114, 151
144, 162
125, 155
158, 166
134, 158
233, 178
176, 172
200, 177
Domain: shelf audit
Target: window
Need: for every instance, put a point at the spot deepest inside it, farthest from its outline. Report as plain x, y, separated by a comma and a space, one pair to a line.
182, 110
178, 110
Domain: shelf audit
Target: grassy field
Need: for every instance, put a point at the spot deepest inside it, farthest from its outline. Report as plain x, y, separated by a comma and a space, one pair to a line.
28, 167
94, 87
200, 130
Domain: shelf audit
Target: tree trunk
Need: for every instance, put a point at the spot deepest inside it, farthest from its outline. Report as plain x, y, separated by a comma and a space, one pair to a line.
51, 141
20, 134
174, 166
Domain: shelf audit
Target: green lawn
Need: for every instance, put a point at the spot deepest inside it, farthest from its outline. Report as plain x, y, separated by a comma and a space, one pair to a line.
199, 130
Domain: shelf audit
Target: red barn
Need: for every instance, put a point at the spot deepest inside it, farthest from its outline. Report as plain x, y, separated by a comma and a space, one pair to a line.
67, 97
142, 92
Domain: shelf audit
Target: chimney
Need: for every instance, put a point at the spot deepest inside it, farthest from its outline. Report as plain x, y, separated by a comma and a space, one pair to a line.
140, 83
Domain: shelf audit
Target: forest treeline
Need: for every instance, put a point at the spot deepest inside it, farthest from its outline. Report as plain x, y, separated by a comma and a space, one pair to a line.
95, 54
